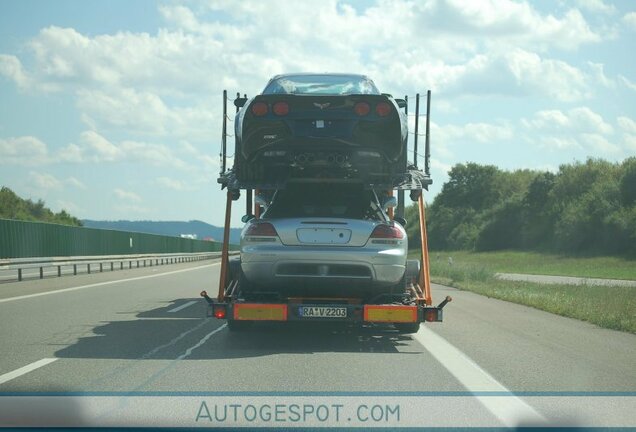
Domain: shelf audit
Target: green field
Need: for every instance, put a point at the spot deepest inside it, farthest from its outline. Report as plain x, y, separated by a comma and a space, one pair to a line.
612, 307
538, 263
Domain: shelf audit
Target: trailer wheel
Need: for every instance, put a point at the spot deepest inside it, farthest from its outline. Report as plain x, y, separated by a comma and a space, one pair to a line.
407, 328
237, 326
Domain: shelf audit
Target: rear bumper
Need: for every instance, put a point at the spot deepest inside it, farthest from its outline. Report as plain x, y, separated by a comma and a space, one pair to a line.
283, 264
355, 313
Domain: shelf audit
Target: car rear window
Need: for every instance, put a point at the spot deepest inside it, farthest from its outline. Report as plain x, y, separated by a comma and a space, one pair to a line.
321, 85
325, 201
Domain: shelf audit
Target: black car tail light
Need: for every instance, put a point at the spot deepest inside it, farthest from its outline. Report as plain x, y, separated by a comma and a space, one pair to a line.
281, 108
387, 232
383, 109
361, 108
259, 109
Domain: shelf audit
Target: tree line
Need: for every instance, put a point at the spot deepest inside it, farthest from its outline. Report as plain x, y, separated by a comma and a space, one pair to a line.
584, 208
14, 207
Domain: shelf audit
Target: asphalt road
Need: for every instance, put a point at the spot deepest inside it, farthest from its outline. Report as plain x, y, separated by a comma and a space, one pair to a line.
144, 331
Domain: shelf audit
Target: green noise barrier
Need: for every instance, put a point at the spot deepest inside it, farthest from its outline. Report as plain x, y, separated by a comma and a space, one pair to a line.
22, 239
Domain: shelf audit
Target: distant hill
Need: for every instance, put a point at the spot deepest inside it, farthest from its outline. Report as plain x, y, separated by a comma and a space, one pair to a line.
14, 207
171, 228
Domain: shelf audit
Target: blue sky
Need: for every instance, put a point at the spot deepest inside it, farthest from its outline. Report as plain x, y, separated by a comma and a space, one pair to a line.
111, 110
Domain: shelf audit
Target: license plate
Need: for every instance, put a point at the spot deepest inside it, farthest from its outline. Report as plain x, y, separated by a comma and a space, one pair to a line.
322, 312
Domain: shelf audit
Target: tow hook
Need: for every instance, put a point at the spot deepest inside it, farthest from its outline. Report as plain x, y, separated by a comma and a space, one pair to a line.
448, 299
204, 294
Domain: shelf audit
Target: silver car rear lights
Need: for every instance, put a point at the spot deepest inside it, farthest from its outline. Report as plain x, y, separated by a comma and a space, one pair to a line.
259, 231
387, 232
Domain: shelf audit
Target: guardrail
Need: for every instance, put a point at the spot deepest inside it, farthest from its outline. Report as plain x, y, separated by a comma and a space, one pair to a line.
95, 263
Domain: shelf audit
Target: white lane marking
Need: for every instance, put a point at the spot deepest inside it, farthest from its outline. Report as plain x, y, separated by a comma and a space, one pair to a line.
104, 283
509, 409
201, 342
183, 306
25, 370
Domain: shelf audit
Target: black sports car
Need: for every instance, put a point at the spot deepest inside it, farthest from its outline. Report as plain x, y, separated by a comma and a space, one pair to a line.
320, 126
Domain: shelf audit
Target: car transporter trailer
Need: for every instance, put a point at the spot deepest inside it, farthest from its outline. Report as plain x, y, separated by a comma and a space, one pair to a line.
404, 310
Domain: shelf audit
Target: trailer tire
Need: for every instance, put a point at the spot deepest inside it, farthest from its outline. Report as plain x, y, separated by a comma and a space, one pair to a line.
407, 328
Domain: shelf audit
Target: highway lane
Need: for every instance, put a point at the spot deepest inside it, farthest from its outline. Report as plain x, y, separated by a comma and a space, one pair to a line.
148, 334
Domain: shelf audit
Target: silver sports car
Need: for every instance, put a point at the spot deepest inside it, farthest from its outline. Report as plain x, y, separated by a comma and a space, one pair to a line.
317, 240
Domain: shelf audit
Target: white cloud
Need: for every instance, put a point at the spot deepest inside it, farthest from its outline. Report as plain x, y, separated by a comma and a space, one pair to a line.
476, 132
99, 148
126, 195
626, 124
26, 150
72, 181
598, 70
145, 113
11, 67
627, 83
630, 20
44, 181
596, 6
174, 184
577, 120
96, 148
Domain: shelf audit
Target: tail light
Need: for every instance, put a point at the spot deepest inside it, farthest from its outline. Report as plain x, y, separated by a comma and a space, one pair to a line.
383, 109
259, 109
281, 108
387, 232
361, 108
261, 229
219, 312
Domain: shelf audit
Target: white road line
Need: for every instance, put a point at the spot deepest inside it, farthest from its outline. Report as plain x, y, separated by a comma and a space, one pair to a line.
25, 370
201, 342
183, 306
104, 283
509, 409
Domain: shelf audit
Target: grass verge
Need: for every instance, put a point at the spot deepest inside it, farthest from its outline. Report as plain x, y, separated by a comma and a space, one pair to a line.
612, 307
539, 263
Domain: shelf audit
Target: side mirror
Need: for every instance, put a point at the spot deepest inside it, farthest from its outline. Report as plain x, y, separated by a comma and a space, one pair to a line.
240, 101
261, 201
401, 103
248, 217
401, 221
389, 202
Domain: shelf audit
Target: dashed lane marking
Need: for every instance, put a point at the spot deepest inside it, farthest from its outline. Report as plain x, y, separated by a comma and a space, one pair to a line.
509, 409
25, 370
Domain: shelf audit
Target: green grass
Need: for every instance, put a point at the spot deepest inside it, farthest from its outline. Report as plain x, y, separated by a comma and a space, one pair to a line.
612, 307
539, 263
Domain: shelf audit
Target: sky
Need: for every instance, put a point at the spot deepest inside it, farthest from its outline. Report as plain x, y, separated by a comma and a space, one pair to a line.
112, 109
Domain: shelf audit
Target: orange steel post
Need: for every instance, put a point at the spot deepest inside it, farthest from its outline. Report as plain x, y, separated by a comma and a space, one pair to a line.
425, 276
225, 250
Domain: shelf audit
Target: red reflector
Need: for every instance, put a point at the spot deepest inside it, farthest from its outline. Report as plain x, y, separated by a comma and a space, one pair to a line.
259, 109
219, 312
383, 109
387, 232
430, 315
281, 108
362, 108
265, 229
